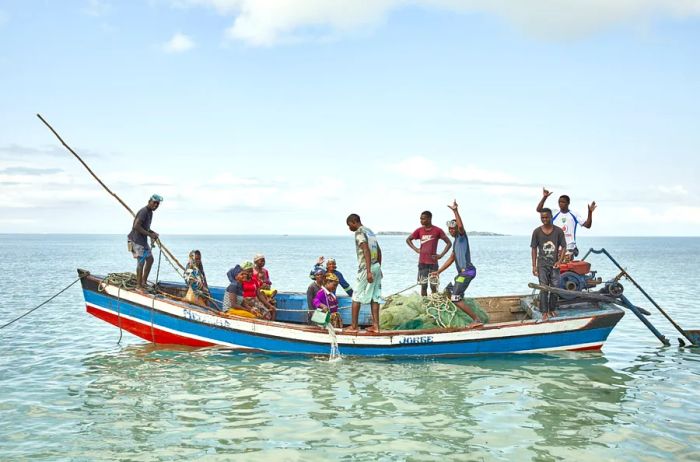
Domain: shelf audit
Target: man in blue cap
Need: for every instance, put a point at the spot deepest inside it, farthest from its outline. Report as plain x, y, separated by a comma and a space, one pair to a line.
138, 241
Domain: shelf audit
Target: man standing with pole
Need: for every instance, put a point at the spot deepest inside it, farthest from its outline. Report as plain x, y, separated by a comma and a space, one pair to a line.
138, 241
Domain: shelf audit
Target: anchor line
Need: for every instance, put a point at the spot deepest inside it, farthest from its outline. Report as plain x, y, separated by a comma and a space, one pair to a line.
43, 303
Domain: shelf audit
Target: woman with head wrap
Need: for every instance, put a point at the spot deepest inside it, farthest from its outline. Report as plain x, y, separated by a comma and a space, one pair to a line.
326, 300
196, 280
331, 267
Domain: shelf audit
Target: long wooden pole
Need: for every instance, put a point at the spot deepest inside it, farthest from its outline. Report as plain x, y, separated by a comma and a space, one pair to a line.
165, 249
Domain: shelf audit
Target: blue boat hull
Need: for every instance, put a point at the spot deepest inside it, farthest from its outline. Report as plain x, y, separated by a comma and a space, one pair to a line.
166, 321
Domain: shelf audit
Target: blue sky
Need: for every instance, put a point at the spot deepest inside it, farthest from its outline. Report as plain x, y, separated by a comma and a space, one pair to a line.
283, 117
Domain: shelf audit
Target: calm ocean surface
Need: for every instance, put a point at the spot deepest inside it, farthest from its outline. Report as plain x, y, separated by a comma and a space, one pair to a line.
69, 391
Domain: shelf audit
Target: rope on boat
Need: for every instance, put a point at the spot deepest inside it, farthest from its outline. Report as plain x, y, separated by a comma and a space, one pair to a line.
439, 307
44, 303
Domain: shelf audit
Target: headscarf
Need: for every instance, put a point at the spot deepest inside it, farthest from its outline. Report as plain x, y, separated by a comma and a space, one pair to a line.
232, 273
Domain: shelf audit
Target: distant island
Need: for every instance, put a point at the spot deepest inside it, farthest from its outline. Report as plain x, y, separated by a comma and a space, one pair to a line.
469, 233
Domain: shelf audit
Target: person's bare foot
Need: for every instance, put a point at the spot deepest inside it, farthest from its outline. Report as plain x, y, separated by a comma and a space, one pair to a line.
475, 325
373, 329
351, 330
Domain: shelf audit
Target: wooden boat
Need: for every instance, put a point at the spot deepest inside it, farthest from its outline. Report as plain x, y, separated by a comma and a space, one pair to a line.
514, 325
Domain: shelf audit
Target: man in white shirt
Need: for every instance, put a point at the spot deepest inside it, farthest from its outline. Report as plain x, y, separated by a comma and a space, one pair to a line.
567, 220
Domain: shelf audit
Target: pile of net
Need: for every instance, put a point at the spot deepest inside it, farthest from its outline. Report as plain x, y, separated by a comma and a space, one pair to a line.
413, 312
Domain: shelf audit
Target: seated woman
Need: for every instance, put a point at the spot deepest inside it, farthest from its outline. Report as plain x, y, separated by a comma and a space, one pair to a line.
243, 293
313, 289
326, 300
196, 280
331, 267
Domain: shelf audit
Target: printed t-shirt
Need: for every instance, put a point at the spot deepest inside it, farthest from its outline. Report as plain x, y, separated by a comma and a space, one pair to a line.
364, 234
568, 222
547, 245
428, 242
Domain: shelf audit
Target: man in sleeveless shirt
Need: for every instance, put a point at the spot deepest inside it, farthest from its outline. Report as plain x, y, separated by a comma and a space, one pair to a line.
462, 258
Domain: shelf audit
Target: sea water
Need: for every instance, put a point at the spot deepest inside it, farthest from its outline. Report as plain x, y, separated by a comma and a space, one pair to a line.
72, 389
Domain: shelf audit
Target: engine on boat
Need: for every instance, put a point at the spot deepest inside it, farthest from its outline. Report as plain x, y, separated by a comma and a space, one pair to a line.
576, 275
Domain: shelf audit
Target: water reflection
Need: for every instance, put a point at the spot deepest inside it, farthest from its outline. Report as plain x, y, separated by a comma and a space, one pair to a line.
521, 406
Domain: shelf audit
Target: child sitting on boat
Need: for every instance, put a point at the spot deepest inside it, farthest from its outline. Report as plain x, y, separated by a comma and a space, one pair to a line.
326, 300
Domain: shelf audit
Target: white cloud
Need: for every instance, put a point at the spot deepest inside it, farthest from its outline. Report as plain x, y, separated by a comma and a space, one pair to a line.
415, 167
97, 8
266, 22
179, 43
674, 190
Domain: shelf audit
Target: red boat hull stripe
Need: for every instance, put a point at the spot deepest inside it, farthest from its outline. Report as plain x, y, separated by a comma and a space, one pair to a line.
146, 332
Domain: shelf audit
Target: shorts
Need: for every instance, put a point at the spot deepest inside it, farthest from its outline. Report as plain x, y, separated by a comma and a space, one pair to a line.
140, 252
424, 270
462, 281
368, 292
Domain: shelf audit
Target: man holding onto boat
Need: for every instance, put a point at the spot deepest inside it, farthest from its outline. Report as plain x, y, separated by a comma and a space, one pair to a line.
461, 256
548, 250
567, 220
428, 257
369, 272
138, 241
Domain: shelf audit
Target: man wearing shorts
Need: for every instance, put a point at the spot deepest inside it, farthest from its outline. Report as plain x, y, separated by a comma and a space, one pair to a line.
461, 256
138, 241
369, 272
428, 257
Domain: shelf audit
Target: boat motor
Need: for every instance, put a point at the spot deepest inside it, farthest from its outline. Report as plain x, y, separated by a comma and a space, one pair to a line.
576, 275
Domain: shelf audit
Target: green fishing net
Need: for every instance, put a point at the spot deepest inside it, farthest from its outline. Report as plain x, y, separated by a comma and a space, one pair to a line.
413, 312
